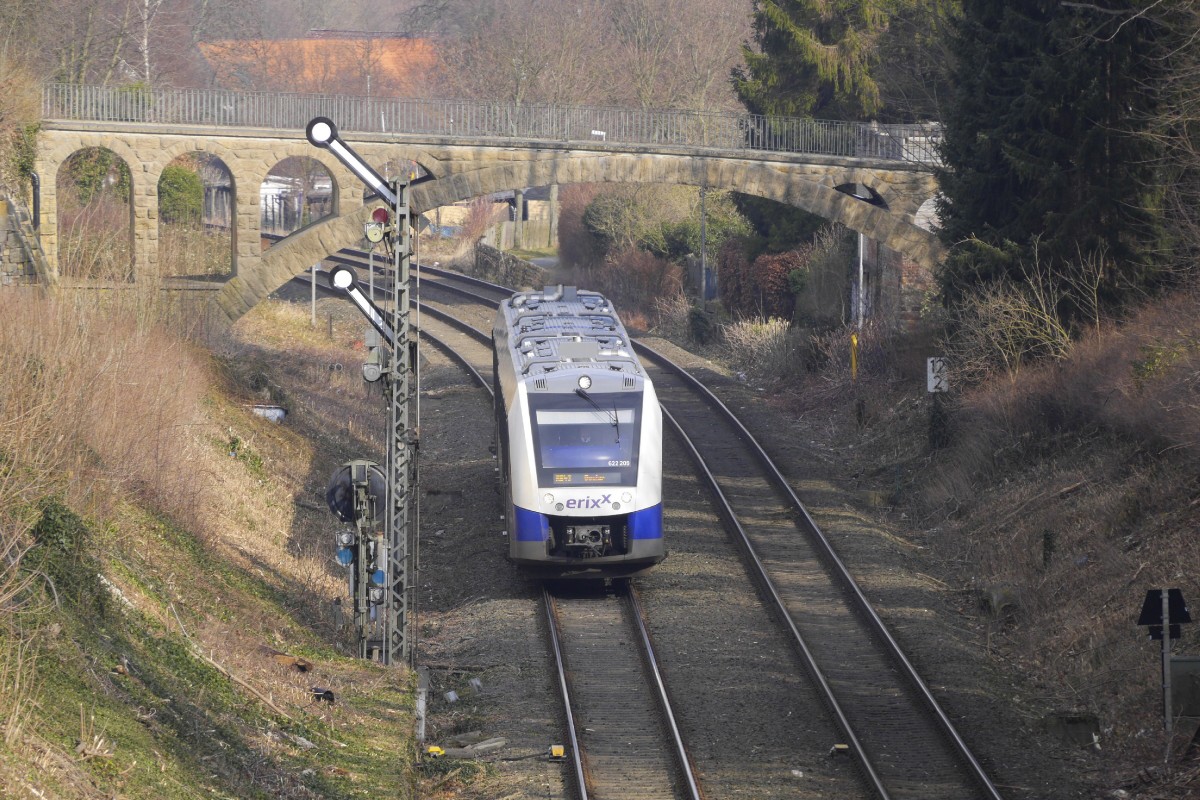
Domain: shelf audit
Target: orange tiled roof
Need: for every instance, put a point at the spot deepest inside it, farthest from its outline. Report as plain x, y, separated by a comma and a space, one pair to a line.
395, 64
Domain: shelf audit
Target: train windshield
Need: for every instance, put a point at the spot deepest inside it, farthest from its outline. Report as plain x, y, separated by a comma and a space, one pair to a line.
586, 438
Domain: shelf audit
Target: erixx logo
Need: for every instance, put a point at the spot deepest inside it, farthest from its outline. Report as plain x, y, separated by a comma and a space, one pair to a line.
583, 503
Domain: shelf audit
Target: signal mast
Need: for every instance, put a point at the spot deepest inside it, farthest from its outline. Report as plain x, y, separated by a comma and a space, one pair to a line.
393, 554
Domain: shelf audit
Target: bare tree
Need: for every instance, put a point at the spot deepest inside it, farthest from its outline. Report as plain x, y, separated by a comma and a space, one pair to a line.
662, 53
915, 48
710, 33
503, 52
644, 47
147, 10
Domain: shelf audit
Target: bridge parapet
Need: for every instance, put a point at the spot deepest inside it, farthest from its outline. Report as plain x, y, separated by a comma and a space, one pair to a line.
701, 130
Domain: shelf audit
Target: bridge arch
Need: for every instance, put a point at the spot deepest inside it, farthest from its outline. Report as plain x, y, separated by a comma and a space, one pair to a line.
100, 232
205, 246
813, 189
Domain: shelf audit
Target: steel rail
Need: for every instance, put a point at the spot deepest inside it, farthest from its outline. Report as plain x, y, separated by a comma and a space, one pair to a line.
661, 696
351, 257
843, 576
760, 572
560, 667
445, 347
565, 693
840, 571
809, 659
679, 748
681, 753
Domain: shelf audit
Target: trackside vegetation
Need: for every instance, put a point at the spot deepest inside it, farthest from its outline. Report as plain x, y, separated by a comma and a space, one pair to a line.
167, 602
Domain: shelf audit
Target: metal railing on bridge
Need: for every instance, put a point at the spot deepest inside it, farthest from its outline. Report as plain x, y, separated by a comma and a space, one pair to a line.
482, 119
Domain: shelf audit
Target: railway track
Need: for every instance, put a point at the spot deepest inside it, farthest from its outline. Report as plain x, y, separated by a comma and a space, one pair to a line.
905, 745
625, 742
617, 710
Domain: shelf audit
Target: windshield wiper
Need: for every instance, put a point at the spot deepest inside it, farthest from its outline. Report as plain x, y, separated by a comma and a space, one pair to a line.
612, 415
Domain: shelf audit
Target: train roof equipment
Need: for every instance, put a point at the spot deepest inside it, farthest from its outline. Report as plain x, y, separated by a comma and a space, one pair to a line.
561, 328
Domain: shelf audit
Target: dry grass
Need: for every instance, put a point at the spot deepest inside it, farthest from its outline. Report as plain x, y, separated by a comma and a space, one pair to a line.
193, 251
95, 252
1073, 489
764, 350
95, 240
120, 418
672, 317
20, 106
102, 402
92, 408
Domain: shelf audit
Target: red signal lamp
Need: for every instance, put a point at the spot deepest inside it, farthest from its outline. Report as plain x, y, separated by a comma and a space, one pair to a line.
378, 226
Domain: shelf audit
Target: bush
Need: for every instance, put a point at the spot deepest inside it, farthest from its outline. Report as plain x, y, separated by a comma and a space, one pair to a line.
1002, 328
661, 220
756, 288
95, 172
575, 245
180, 195
671, 314
633, 278
63, 554
766, 350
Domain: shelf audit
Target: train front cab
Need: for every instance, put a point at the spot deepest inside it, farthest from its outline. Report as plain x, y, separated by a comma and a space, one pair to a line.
585, 496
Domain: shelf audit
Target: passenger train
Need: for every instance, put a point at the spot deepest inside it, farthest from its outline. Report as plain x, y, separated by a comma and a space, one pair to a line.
579, 438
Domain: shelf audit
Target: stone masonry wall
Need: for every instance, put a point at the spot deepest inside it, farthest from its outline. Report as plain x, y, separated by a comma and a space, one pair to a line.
498, 267
18, 247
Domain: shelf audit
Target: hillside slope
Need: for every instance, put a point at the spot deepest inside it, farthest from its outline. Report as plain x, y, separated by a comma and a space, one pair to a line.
172, 615
1064, 492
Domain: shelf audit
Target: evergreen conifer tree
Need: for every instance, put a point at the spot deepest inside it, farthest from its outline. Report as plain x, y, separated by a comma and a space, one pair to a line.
814, 58
1042, 157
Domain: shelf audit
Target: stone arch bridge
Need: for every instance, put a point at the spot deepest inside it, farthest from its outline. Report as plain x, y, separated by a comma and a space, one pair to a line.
461, 167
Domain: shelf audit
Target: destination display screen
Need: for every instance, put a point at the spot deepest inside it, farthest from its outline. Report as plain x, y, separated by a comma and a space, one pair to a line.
584, 478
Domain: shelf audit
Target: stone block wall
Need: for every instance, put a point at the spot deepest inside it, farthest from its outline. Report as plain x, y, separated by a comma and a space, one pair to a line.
499, 267
896, 287
19, 250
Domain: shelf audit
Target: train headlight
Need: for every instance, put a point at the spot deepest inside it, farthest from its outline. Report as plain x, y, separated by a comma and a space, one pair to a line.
585, 382
548, 499
627, 498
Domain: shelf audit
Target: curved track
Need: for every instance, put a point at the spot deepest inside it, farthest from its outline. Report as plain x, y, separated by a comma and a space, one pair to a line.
624, 741
906, 746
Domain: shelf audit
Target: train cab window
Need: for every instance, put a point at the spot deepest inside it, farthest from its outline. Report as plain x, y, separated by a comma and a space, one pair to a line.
581, 441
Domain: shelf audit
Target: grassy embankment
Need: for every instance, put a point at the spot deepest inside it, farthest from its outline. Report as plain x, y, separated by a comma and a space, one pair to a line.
162, 544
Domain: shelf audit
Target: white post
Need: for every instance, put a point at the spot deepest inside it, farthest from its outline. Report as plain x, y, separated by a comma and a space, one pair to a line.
703, 246
1166, 659
861, 288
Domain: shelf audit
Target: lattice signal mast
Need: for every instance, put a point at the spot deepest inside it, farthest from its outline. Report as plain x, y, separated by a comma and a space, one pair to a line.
391, 224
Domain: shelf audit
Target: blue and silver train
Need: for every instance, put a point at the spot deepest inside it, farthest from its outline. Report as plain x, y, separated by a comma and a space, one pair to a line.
579, 438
